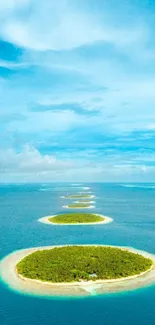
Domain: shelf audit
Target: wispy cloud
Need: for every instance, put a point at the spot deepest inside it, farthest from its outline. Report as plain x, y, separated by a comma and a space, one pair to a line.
70, 26
76, 86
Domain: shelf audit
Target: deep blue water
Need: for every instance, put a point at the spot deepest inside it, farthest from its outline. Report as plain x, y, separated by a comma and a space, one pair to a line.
133, 210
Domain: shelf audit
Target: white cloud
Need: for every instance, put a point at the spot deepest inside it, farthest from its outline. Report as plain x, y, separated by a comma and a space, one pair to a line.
30, 165
8, 6
49, 25
29, 160
110, 78
151, 126
12, 65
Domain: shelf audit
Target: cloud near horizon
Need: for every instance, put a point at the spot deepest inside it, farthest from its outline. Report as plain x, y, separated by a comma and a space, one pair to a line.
77, 91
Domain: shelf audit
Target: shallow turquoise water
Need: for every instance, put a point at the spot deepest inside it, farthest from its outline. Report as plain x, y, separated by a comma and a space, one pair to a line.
133, 210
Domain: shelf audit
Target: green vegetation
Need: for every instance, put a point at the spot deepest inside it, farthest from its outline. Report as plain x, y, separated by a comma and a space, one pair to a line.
78, 196
76, 218
76, 263
79, 205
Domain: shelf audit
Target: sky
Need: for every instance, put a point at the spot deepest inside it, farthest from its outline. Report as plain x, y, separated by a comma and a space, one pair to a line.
77, 91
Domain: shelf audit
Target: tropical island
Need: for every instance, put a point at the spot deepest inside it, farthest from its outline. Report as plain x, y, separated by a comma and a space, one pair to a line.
79, 206
82, 263
79, 196
76, 219
77, 270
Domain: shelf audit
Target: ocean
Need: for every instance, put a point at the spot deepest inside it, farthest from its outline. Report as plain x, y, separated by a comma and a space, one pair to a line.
132, 206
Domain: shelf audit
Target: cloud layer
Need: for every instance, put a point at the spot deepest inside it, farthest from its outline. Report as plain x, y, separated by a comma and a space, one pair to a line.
77, 90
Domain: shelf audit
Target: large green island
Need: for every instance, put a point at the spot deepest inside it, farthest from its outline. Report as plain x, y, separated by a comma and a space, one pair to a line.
69, 264
77, 270
76, 218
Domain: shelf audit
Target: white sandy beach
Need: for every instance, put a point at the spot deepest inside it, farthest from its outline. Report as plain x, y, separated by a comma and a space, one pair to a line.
86, 188
84, 202
105, 221
18, 283
89, 207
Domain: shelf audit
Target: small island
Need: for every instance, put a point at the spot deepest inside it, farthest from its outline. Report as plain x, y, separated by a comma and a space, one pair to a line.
79, 206
78, 196
77, 270
76, 219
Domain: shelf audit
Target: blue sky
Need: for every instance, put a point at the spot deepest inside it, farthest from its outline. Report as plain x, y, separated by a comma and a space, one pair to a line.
77, 90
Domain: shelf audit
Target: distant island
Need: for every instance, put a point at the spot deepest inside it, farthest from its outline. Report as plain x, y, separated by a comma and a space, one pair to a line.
75, 218
69, 264
79, 206
79, 196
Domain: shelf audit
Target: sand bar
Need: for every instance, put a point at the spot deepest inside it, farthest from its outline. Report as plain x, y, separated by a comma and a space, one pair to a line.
105, 221
23, 285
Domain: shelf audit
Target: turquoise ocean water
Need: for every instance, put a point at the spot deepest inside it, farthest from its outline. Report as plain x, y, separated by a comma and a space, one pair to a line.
132, 207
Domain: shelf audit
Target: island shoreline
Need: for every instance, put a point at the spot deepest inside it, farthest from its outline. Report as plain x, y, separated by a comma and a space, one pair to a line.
17, 282
89, 207
70, 197
46, 221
